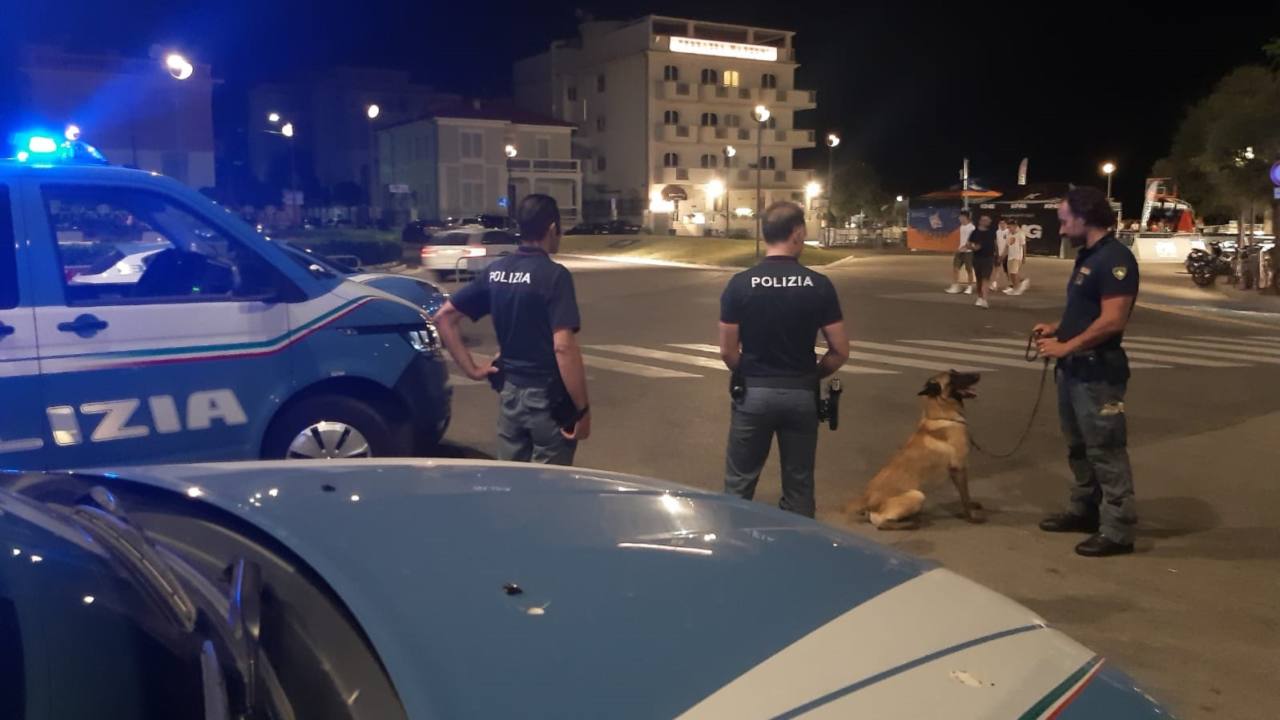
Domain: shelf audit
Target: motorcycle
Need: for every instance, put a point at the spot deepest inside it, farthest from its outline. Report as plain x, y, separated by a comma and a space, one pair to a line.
1206, 265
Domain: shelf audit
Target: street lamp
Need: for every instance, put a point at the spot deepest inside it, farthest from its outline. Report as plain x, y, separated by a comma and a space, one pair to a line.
178, 66
373, 111
1109, 169
761, 114
287, 130
833, 141
273, 118
511, 151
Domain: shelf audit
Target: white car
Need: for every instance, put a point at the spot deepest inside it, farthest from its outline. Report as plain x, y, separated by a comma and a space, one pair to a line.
466, 249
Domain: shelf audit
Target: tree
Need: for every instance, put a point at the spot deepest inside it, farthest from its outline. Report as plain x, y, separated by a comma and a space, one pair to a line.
1221, 152
857, 190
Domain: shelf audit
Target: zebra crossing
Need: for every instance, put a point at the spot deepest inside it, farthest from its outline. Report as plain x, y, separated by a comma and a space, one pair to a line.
685, 361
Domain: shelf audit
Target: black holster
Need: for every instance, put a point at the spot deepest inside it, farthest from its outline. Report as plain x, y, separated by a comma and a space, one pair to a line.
829, 406
1109, 365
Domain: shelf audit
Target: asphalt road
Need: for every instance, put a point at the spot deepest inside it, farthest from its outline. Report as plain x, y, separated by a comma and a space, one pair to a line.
1192, 615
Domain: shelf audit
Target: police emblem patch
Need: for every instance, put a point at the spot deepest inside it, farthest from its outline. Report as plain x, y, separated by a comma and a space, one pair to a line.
1120, 272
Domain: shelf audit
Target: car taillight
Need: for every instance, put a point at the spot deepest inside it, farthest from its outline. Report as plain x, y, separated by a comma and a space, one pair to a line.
428, 250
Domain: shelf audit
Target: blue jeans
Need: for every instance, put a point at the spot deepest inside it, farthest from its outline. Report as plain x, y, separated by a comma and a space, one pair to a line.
1093, 422
526, 431
793, 416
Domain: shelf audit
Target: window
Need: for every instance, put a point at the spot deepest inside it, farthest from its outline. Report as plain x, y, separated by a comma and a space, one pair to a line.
731, 78
671, 73
544, 148
671, 160
472, 145
709, 76
768, 80
732, 121
710, 161
8, 255
671, 117
601, 164
710, 120
452, 238
772, 122
472, 196
572, 94
600, 83
600, 124
768, 162
122, 246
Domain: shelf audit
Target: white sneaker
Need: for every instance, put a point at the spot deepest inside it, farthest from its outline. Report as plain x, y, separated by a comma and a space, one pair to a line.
994, 285
1022, 286
982, 303
1009, 291
954, 289
968, 289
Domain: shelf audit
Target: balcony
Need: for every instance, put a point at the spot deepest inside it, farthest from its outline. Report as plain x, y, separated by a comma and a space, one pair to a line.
744, 177
712, 134
689, 176
662, 43
543, 166
722, 94
676, 134
795, 99
678, 91
791, 138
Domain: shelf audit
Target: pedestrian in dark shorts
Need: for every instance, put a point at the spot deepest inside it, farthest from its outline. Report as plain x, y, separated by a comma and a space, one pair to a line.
963, 259
983, 241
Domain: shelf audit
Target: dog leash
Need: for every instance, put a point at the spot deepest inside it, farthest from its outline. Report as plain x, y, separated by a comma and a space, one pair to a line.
1031, 355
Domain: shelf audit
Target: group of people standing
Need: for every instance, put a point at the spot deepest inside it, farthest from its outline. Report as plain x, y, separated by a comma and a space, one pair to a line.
985, 251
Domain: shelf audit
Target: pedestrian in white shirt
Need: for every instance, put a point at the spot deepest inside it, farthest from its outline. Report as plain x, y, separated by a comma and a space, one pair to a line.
964, 258
1002, 255
1017, 256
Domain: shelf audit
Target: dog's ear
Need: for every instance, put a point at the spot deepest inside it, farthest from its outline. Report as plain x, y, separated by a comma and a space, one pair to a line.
931, 388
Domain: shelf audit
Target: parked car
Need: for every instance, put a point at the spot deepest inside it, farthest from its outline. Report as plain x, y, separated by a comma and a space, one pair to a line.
613, 227
418, 231
465, 249
425, 589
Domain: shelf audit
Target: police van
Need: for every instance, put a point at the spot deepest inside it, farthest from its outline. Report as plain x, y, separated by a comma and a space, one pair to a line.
142, 323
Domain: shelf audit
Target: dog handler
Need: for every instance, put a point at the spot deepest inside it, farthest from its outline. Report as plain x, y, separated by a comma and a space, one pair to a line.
1092, 374
770, 316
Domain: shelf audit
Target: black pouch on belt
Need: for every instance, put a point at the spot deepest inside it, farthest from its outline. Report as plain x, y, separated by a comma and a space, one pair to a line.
563, 409
496, 380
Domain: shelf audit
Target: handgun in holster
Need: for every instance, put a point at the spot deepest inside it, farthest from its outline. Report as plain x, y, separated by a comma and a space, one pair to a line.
737, 386
499, 378
829, 406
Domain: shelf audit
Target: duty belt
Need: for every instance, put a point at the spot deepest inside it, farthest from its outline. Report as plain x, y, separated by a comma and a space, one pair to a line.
804, 382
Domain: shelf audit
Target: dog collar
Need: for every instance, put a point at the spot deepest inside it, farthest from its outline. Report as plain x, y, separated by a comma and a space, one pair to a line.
960, 421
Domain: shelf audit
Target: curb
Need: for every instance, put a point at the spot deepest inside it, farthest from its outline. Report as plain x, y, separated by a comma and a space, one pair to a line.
1224, 315
650, 262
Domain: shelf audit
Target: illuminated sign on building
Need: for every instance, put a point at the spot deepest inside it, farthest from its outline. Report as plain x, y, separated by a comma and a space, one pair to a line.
695, 46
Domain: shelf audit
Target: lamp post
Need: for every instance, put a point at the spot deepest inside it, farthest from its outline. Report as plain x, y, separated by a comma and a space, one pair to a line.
761, 114
511, 151
372, 111
1108, 169
833, 141
730, 152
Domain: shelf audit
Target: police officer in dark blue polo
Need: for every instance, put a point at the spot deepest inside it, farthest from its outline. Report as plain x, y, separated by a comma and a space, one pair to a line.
1092, 374
544, 411
770, 317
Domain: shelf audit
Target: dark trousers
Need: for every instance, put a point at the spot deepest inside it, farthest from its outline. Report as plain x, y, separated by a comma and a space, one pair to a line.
526, 431
1093, 423
762, 413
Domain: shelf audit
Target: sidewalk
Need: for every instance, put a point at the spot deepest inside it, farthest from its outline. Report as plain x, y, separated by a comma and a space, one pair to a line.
1168, 288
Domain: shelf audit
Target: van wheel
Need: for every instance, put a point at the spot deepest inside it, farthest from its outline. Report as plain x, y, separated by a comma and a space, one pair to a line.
329, 427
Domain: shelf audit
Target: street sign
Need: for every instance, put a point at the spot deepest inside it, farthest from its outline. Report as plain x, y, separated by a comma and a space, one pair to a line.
398, 189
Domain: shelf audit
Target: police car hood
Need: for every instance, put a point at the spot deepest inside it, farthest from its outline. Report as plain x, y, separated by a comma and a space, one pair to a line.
504, 590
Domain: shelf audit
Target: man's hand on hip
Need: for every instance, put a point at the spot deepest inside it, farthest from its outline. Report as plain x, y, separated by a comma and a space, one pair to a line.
581, 429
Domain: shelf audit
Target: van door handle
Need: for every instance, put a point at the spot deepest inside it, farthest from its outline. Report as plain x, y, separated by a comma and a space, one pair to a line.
6, 330
85, 326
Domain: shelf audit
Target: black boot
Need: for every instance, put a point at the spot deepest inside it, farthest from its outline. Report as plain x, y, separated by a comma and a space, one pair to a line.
1070, 522
1099, 546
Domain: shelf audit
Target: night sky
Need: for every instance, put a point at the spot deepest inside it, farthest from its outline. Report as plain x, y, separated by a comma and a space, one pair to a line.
912, 88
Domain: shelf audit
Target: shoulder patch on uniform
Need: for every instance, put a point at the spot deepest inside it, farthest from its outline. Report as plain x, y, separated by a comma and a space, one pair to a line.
1120, 272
